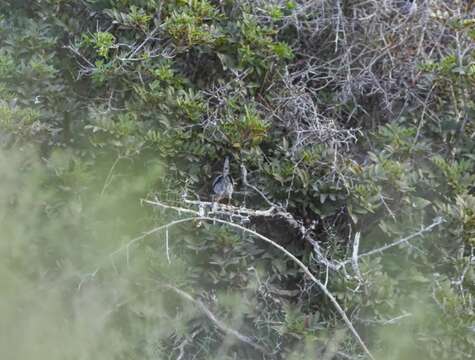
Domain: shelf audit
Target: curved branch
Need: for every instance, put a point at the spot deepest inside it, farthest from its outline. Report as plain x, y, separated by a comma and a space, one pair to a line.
217, 321
292, 257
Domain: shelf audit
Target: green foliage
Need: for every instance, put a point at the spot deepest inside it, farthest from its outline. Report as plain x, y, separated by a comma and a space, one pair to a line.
105, 102
248, 130
103, 42
192, 24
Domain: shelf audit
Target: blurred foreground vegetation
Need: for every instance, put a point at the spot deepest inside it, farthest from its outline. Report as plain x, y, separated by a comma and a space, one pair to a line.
353, 116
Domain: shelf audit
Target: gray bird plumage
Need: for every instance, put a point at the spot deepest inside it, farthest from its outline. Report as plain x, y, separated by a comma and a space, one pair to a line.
223, 185
407, 7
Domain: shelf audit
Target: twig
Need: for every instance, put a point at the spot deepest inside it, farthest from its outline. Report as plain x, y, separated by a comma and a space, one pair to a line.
397, 318
166, 246
354, 258
436, 222
138, 48
245, 182
108, 179
390, 212
75, 51
130, 243
220, 324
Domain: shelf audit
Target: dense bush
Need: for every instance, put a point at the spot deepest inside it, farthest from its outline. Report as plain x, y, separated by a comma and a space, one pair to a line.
354, 118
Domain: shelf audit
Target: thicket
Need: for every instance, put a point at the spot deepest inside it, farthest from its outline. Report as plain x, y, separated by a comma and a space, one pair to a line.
349, 127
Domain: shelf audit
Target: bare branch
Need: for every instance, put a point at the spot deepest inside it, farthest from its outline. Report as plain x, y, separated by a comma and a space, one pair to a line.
354, 258
304, 268
436, 222
220, 324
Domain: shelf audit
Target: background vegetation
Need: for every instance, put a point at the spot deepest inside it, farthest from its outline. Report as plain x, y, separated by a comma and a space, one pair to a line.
353, 120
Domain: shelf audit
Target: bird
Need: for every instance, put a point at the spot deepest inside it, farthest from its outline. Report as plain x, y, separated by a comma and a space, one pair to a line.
408, 7
223, 184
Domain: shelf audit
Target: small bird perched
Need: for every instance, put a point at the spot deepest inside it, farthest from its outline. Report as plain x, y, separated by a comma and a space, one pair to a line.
408, 7
223, 185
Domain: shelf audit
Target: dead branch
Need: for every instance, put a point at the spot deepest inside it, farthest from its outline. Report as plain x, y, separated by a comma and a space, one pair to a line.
304, 268
436, 222
220, 324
